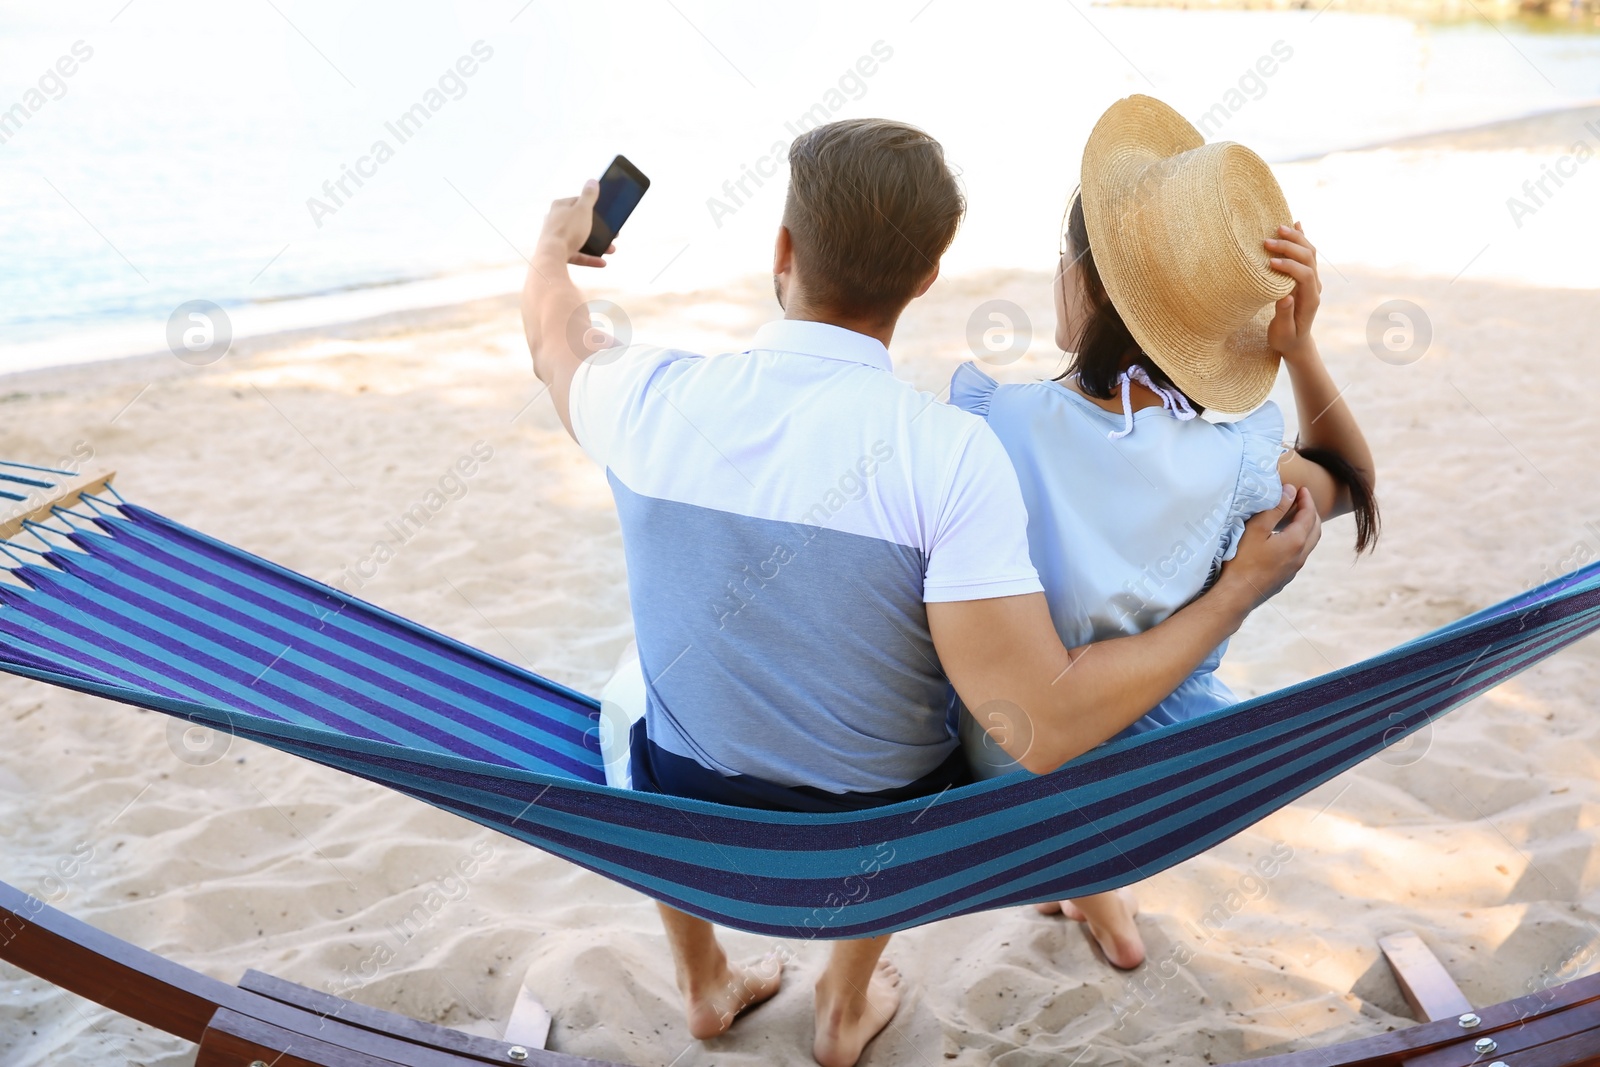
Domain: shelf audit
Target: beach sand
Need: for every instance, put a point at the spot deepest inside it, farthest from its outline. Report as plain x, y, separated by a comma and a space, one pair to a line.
1479, 835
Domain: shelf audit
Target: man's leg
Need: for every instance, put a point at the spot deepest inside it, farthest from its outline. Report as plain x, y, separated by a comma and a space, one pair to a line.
856, 997
1110, 917
714, 991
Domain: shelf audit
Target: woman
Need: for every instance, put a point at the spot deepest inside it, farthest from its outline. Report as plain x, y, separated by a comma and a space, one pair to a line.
1181, 287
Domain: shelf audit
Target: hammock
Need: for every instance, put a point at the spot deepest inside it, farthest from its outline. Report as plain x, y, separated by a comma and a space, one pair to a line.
117, 601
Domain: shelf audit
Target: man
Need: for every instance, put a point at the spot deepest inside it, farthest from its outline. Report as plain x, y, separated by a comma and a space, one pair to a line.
816, 551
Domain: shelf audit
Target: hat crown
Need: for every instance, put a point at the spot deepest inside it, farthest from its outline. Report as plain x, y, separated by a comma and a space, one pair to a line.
1204, 222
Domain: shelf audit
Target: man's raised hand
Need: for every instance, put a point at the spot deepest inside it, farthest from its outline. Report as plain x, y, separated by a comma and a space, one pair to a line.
567, 226
551, 303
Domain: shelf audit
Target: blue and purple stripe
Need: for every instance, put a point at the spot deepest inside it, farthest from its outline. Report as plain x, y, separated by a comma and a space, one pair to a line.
146, 611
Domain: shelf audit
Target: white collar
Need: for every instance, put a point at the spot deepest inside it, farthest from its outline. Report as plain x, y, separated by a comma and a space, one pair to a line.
822, 339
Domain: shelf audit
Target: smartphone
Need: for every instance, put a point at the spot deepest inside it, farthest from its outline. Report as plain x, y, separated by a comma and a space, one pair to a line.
621, 188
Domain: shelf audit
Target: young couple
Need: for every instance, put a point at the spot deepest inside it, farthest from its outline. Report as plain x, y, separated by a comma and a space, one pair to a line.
1068, 557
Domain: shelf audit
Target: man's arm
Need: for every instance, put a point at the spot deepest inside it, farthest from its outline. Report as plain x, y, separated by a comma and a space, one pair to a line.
1045, 704
553, 316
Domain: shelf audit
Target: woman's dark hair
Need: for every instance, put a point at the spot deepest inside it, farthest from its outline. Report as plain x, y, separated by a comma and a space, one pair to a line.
1104, 348
1363, 500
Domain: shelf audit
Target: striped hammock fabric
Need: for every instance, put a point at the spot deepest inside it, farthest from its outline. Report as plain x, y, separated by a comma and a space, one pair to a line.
118, 601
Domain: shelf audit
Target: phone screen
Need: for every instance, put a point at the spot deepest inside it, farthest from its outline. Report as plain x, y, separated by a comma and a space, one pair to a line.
621, 188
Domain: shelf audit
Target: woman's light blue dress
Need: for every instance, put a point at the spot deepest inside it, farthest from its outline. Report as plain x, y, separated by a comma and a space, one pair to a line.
1126, 531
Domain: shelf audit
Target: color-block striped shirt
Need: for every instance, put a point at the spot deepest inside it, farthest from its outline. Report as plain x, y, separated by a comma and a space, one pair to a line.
787, 512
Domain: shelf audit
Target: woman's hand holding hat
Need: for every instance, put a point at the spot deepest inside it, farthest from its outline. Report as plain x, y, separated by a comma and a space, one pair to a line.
1289, 333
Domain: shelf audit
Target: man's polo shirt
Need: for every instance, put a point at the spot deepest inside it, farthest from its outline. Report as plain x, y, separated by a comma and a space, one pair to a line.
787, 511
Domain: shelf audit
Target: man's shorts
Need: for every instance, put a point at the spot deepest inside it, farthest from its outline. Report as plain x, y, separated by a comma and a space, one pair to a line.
655, 770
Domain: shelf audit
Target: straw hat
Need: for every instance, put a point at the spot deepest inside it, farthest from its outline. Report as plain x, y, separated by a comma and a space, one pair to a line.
1176, 227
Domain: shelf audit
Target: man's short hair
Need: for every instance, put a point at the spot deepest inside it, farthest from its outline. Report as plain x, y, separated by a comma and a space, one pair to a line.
872, 206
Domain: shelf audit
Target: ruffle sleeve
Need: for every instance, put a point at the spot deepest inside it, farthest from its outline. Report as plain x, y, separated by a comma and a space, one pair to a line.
971, 389
1259, 486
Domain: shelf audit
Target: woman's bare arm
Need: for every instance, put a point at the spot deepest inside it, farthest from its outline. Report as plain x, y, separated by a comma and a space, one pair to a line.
1326, 421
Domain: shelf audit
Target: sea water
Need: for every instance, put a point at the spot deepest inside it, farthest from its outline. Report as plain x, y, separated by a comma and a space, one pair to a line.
300, 163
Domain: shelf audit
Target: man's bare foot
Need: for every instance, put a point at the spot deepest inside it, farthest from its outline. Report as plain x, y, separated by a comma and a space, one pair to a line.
846, 1022
713, 1008
1110, 918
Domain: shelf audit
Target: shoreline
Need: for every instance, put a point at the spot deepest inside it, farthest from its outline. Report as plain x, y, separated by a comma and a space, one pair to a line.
415, 302
1533, 130
268, 317
163, 364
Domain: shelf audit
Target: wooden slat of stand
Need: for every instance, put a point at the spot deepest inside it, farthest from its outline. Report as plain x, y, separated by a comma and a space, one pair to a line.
239, 1024
1580, 1050
379, 1021
233, 1039
1542, 1038
1557, 1027
94, 965
1571, 1009
64, 495
1555, 1039
1548, 1042
1426, 985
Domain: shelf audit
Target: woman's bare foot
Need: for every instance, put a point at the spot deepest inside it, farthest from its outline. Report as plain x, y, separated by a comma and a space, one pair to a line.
713, 1007
1110, 918
846, 1022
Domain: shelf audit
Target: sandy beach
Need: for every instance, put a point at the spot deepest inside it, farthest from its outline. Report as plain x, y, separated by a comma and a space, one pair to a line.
1479, 835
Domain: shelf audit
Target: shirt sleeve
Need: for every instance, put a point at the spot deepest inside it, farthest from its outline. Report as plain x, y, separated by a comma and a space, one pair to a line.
1259, 487
972, 390
980, 542
607, 390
